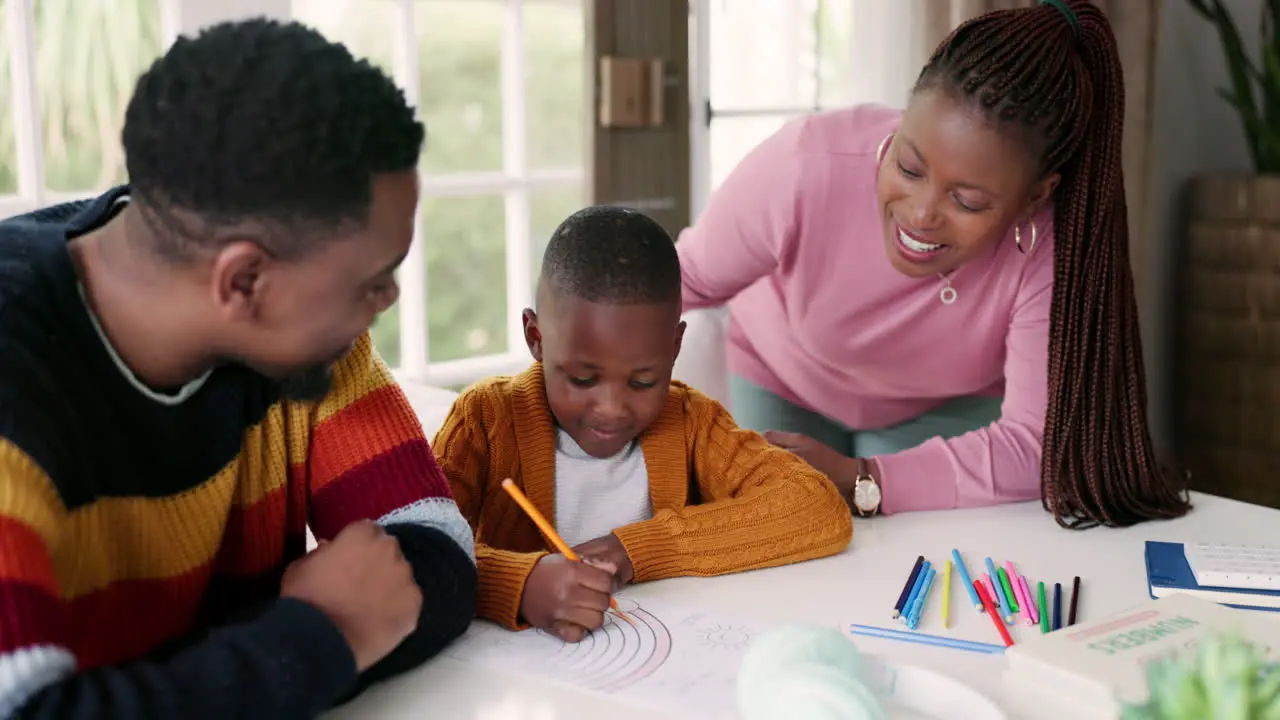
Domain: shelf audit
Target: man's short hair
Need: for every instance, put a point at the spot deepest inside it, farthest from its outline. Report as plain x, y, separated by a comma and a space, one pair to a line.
263, 121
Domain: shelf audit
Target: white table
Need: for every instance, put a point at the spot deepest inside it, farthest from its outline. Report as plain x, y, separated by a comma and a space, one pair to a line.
860, 585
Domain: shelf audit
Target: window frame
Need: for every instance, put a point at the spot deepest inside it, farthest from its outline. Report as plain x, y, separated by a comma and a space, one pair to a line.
884, 39
705, 111
515, 183
176, 17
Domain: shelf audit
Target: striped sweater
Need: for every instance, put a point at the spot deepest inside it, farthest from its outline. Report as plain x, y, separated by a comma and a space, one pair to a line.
142, 544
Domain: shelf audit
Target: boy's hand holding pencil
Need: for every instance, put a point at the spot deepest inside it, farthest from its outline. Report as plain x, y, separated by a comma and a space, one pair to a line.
567, 598
564, 594
608, 550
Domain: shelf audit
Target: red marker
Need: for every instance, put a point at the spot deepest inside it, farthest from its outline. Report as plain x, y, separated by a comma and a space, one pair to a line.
993, 613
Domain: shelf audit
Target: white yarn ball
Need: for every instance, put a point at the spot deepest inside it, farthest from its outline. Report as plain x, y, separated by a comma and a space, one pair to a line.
806, 672
790, 644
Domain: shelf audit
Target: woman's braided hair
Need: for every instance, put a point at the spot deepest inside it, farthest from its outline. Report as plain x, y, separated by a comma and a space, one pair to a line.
1052, 72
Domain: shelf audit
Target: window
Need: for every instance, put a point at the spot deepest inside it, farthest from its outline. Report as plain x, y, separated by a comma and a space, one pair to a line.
501, 87
759, 64
67, 69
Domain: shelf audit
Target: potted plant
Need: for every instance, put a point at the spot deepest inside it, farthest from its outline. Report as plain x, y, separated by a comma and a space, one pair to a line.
1226, 679
1228, 303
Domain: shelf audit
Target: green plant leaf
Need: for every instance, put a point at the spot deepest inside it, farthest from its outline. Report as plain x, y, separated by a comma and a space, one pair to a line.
1269, 84
1226, 678
1266, 694
1241, 71
1137, 712
1200, 7
1227, 669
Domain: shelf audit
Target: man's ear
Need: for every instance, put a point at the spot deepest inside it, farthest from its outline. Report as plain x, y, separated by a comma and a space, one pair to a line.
238, 279
532, 335
680, 327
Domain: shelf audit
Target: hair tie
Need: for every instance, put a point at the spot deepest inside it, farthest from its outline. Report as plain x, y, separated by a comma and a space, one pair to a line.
1062, 7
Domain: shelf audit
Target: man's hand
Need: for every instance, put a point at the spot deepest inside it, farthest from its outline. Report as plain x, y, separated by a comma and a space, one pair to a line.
362, 582
608, 550
567, 598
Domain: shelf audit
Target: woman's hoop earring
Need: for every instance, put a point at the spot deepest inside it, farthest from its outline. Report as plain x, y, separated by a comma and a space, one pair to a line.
884, 144
1017, 238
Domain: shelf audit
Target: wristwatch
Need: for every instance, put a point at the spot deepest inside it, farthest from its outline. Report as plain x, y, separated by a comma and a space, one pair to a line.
866, 491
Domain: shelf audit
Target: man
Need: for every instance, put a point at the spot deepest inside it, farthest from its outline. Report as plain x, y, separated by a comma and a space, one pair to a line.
187, 383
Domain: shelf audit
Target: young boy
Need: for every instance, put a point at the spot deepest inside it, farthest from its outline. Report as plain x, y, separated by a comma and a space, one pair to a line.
645, 477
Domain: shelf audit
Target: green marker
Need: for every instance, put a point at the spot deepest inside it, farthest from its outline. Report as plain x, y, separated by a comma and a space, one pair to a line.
1008, 590
1044, 608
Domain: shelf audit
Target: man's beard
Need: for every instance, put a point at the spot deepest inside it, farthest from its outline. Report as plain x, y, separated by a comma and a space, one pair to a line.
311, 384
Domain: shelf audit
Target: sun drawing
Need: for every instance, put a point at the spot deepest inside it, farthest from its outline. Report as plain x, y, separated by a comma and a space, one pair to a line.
725, 637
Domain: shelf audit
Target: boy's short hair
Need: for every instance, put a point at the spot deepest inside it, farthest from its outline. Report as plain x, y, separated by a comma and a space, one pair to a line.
612, 255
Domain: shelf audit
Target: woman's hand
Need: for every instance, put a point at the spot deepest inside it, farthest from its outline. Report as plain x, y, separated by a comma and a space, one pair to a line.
840, 468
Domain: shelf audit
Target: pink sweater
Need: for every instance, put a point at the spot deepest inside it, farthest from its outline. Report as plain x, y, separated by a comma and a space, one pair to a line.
792, 241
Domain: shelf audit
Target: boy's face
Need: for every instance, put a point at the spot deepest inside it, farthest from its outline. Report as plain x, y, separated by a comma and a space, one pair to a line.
607, 367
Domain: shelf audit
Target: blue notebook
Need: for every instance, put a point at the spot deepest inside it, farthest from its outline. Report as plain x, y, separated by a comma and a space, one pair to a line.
1168, 572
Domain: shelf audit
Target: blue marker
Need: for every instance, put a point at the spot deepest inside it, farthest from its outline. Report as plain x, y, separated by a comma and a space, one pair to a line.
918, 606
915, 590
968, 581
901, 606
1000, 600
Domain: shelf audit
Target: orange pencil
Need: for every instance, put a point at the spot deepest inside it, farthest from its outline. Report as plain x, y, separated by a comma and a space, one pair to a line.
550, 532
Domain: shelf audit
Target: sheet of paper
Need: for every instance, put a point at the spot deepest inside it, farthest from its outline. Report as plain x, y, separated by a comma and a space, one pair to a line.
681, 660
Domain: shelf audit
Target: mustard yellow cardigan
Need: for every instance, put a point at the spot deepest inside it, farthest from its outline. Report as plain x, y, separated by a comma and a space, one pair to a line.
724, 499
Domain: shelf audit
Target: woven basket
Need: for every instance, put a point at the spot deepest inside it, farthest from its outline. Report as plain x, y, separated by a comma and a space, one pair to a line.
1228, 339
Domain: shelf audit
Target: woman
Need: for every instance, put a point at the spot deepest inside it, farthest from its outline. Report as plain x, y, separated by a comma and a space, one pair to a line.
934, 307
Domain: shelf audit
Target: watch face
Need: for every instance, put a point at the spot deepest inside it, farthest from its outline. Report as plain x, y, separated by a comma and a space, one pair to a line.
866, 495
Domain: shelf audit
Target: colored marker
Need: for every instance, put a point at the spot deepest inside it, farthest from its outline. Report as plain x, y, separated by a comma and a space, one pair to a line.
998, 594
1043, 609
925, 639
995, 617
906, 589
1008, 590
1013, 584
915, 589
991, 588
1075, 599
968, 581
1057, 606
918, 606
946, 596
1019, 589
1031, 600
